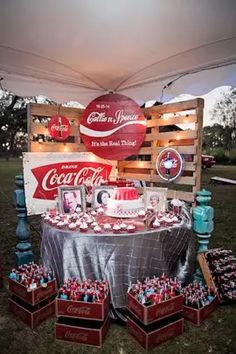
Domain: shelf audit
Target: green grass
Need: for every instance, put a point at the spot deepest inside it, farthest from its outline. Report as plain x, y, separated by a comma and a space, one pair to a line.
216, 335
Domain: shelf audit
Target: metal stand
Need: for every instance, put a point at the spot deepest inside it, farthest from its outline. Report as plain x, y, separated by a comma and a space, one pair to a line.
23, 252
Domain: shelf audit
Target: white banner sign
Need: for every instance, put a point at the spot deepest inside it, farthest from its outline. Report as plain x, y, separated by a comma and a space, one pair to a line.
45, 172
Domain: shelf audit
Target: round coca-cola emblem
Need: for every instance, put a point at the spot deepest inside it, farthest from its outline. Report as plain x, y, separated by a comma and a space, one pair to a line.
59, 127
113, 127
169, 164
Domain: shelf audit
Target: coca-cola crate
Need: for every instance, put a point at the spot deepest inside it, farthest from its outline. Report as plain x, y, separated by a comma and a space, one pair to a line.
32, 315
198, 316
152, 335
82, 331
150, 314
35, 296
84, 310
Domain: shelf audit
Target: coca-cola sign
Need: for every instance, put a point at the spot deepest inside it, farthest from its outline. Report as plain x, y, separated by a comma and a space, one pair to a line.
45, 172
59, 127
73, 173
113, 127
169, 164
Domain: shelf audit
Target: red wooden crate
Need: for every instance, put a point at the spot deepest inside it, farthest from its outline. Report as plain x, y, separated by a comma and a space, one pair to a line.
82, 331
149, 314
198, 316
35, 296
83, 310
32, 315
157, 333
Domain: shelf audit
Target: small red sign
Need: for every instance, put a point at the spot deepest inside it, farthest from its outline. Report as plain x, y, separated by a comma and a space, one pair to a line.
73, 173
113, 127
59, 127
169, 164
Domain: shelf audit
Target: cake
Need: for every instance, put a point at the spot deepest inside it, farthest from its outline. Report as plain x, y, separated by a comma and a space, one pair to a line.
125, 203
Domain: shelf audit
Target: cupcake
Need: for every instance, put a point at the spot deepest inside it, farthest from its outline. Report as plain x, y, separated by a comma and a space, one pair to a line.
54, 222
83, 227
107, 227
94, 223
123, 226
100, 211
93, 213
131, 228
61, 224
141, 214
156, 224
47, 218
72, 226
116, 229
97, 229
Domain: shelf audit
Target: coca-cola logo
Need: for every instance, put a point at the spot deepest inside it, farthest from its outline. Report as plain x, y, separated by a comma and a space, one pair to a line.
163, 310
169, 164
137, 334
113, 127
136, 308
165, 335
44, 313
59, 127
85, 311
50, 177
76, 336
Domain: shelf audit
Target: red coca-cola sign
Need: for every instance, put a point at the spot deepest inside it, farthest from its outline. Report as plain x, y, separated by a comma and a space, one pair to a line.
169, 164
73, 173
113, 127
59, 127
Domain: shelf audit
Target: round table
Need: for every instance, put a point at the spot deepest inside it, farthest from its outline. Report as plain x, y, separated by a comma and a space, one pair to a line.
120, 258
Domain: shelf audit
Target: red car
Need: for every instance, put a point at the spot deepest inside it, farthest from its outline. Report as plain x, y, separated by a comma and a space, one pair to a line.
208, 161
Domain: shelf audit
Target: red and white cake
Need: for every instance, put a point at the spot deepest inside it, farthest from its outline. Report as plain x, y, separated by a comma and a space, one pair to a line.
125, 203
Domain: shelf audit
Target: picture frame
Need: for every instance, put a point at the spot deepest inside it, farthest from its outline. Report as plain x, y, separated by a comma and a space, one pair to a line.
71, 199
98, 195
156, 198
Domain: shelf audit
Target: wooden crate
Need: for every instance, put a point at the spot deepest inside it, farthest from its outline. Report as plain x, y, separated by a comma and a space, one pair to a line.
32, 315
197, 316
35, 296
91, 333
153, 335
83, 310
153, 313
207, 273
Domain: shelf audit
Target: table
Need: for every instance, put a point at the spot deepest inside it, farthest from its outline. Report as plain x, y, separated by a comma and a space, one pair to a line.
120, 259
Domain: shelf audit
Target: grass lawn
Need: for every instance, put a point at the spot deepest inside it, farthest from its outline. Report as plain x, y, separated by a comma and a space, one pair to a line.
216, 335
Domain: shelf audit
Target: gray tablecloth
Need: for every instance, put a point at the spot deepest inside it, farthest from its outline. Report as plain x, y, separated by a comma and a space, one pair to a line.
120, 259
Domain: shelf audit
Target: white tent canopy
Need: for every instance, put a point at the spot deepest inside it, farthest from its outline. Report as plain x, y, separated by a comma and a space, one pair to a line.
80, 49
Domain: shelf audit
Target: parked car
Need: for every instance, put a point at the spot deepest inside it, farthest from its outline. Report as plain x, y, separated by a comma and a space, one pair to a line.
208, 161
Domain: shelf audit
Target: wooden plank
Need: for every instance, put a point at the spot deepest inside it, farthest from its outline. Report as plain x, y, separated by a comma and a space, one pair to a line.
134, 164
145, 151
206, 271
186, 196
162, 122
139, 177
50, 110
188, 150
199, 127
174, 107
57, 147
176, 135
182, 142
190, 181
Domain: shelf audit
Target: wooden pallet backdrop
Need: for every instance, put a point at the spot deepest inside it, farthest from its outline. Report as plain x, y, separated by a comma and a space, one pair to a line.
164, 129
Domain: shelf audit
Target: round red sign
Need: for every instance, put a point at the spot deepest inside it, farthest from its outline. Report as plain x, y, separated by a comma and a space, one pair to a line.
113, 127
59, 127
169, 164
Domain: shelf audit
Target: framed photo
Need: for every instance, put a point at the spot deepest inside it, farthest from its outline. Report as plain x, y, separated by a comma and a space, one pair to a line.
101, 194
156, 198
71, 199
